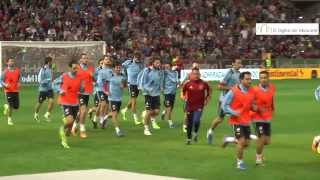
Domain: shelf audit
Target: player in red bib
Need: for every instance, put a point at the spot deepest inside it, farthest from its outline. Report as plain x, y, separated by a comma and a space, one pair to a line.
197, 94
85, 72
10, 80
68, 86
238, 102
264, 93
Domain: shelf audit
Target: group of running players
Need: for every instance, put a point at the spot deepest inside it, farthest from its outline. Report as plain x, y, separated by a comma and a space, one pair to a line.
238, 100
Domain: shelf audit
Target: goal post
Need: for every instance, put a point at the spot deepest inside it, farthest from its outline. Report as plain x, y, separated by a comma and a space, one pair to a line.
29, 55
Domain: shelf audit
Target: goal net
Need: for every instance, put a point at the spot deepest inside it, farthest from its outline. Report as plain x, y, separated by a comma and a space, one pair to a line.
29, 55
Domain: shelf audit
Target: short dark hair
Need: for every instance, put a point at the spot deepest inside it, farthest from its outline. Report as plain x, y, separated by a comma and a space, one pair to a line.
235, 58
99, 60
243, 74
71, 63
9, 59
195, 69
154, 58
264, 72
137, 54
47, 60
82, 54
116, 63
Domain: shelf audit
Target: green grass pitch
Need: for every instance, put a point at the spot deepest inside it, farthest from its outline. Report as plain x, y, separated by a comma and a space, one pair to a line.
29, 147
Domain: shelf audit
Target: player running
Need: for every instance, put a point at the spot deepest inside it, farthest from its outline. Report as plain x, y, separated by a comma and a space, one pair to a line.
132, 68
264, 93
96, 106
117, 83
85, 72
10, 80
68, 86
197, 94
170, 84
45, 78
103, 77
229, 80
238, 102
151, 83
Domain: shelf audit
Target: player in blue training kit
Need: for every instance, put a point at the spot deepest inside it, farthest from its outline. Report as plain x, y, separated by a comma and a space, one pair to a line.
170, 84
132, 68
45, 89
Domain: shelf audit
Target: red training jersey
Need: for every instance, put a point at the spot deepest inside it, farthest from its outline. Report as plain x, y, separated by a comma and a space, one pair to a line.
70, 87
264, 103
242, 104
11, 78
87, 78
195, 93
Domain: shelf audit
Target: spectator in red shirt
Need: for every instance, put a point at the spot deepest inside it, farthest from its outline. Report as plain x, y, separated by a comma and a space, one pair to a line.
197, 94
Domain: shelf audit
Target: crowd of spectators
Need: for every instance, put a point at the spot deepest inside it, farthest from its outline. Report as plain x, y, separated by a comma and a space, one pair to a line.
193, 30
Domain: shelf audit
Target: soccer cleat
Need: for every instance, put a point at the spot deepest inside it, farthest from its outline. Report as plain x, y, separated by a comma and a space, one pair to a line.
241, 166
155, 125
147, 132
83, 135
224, 142
10, 122
63, 138
259, 162
119, 133
188, 142
74, 131
5, 109
172, 126
123, 114
47, 117
163, 115
104, 124
90, 113
136, 122
95, 125
318, 149
195, 138
184, 129
36, 117
209, 137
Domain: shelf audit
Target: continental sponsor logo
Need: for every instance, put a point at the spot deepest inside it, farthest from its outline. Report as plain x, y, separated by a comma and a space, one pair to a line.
293, 73
287, 73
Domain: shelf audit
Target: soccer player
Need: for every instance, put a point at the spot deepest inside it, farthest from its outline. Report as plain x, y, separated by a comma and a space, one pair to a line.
196, 93
170, 84
45, 89
95, 96
132, 68
68, 86
238, 102
103, 77
10, 81
116, 85
229, 80
151, 83
85, 72
264, 93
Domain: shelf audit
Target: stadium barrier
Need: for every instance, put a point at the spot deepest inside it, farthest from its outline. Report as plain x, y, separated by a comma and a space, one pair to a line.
275, 73
294, 73
218, 74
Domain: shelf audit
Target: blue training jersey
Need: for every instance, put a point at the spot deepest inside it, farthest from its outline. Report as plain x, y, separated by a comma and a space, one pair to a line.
132, 70
115, 87
171, 81
45, 79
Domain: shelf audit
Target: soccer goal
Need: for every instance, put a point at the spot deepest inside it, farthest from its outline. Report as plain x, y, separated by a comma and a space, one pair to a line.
29, 55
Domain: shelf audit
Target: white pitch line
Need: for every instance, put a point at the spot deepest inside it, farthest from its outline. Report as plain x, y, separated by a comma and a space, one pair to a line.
98, 174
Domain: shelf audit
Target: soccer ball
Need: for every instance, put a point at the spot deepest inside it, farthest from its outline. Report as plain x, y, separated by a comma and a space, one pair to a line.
315, 144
